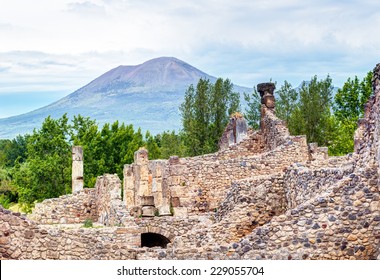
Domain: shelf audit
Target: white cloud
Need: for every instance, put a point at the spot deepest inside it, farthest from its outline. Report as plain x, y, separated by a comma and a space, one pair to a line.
65, 44
86, 9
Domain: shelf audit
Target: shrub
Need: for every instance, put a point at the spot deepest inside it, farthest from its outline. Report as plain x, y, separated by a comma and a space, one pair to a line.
88, 223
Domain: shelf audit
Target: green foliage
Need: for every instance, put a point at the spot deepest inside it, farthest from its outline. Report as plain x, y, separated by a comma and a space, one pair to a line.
152, 146
286, 101
348, 108
47, 171
342, 142
171, 144
88, 223
5, 201
252, 111
350, 99
205, 113
12, 150
347, 100
8, 190
315, 107
108, 149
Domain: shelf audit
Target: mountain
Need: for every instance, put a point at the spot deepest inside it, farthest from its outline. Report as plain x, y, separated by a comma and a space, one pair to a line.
146, 95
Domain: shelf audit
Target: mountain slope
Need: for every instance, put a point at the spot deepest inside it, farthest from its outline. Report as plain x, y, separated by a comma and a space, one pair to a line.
146, 95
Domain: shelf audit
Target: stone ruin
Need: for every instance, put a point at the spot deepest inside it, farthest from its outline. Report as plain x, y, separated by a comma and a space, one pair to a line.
264, 195
77, 169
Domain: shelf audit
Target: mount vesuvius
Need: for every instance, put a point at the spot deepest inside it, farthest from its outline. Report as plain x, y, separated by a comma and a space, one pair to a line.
146, 95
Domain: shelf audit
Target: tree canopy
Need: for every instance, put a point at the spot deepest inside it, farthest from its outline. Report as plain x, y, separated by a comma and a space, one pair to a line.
205, 113
315, 111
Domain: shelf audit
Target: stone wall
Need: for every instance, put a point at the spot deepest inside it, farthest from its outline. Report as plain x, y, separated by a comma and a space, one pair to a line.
21, 238
67, 209
250, 203
303, 182
170, 227
341, 223
109, 206
198, 184
367, 136
234, 133
274, 130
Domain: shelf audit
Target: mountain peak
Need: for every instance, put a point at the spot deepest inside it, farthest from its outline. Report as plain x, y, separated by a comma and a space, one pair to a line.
168, 72
146, 95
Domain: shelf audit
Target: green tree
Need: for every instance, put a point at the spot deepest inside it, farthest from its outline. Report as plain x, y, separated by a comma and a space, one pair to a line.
12, 150
46, 172
205, 113
350, 99
224, 102
311, 117
286, 101
152, 146
202, 116
8, 191
348, 108
342, 141
171, 144
253, 109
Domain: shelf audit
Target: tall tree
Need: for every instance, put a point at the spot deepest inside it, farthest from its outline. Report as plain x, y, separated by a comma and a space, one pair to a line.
252, 111
314, 109
46, 172
350, 99
172, 144
348, 108
205, 113
224, 102
286, 101
152, 146
12, 150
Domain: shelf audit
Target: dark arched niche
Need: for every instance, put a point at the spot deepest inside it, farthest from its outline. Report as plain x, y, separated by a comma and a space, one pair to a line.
154, 240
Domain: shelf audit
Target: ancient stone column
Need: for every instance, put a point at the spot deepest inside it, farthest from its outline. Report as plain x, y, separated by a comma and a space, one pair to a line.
77, 169
147, 203
129, 186
267, 101
142, 176
266, 92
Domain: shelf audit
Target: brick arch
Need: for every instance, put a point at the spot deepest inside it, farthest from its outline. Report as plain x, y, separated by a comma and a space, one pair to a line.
154, 240
168, 233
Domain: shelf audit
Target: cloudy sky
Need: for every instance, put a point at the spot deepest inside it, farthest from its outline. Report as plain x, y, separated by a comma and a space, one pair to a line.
49, 49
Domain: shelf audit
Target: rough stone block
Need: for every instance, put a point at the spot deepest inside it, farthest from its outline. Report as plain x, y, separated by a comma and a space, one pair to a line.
180, 212
175, 202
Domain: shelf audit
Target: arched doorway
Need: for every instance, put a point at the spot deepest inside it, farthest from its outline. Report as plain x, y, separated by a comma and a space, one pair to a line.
153, 240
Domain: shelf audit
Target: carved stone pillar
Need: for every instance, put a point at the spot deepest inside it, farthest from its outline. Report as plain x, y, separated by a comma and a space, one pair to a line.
77, 169
266, 92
